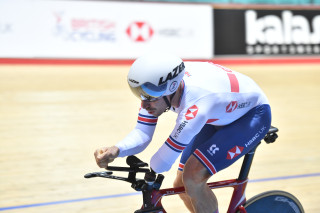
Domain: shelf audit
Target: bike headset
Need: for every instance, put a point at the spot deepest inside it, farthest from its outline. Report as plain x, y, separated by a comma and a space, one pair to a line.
154, 76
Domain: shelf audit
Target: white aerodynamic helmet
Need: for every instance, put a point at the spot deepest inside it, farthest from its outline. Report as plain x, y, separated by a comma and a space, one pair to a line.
155, 75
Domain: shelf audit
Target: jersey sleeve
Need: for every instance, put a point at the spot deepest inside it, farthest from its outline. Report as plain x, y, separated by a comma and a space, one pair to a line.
140, 137
188, 125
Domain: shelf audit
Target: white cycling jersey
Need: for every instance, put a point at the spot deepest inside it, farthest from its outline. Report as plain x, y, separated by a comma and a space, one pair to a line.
212, 94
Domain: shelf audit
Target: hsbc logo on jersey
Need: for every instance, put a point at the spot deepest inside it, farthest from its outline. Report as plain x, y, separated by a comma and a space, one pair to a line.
232, 106
192, 112
234, 152
180, 128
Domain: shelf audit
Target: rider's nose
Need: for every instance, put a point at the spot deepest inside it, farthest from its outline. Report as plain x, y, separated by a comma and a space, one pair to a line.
145, 104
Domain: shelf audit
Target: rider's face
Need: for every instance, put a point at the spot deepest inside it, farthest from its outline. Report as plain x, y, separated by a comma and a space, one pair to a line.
155, 108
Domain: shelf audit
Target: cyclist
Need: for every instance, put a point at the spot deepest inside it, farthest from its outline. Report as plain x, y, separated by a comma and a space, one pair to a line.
222, 115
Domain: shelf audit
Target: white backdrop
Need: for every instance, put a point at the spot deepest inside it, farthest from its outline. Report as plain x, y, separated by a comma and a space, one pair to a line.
103, 30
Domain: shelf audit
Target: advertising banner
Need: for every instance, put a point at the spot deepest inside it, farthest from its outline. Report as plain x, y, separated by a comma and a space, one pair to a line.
266, 32
103, 29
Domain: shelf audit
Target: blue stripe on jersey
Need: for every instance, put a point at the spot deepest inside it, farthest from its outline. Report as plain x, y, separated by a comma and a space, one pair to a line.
147, 120
180, 144
149, 124
171, 147
175, 145
147, 116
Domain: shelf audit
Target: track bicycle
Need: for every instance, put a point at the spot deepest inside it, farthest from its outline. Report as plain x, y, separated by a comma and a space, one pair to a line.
274, 201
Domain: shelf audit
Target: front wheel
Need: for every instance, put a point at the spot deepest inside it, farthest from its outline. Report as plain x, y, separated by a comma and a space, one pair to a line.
274, 202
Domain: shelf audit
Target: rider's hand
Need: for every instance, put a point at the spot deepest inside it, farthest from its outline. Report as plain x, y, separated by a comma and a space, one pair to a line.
106, 155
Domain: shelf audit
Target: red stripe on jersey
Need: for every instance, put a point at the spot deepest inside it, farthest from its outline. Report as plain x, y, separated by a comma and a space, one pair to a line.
232, 77
176, 146
181, 166
211, 120
234, 82
149, 120
205, 161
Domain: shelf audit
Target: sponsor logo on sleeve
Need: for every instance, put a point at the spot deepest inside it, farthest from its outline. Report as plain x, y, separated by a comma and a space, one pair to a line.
180, 128
192, 112
233, 105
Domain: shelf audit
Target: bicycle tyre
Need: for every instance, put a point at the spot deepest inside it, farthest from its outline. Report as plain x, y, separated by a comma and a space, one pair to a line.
274, 202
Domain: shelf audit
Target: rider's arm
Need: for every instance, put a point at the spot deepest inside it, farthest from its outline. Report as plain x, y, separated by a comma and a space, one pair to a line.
140, 137
181, 136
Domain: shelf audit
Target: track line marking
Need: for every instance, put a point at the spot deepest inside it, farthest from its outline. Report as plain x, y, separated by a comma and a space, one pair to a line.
139, 193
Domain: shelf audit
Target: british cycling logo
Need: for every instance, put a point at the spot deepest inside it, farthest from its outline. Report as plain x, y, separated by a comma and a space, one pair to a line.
84, 29
192, 112
173, 86
213, 149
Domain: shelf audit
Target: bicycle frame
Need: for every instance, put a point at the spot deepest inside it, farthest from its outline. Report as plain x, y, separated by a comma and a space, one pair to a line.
239, 185
237, 200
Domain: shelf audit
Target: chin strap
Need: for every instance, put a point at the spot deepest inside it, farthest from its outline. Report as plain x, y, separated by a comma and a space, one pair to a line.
168, 102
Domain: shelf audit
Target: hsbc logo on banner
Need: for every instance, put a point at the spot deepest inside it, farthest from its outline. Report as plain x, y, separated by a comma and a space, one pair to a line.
192, 112
140, 31
232, 106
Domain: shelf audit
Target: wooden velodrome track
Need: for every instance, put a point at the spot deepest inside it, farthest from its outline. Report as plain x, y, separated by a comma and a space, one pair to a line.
54, 117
